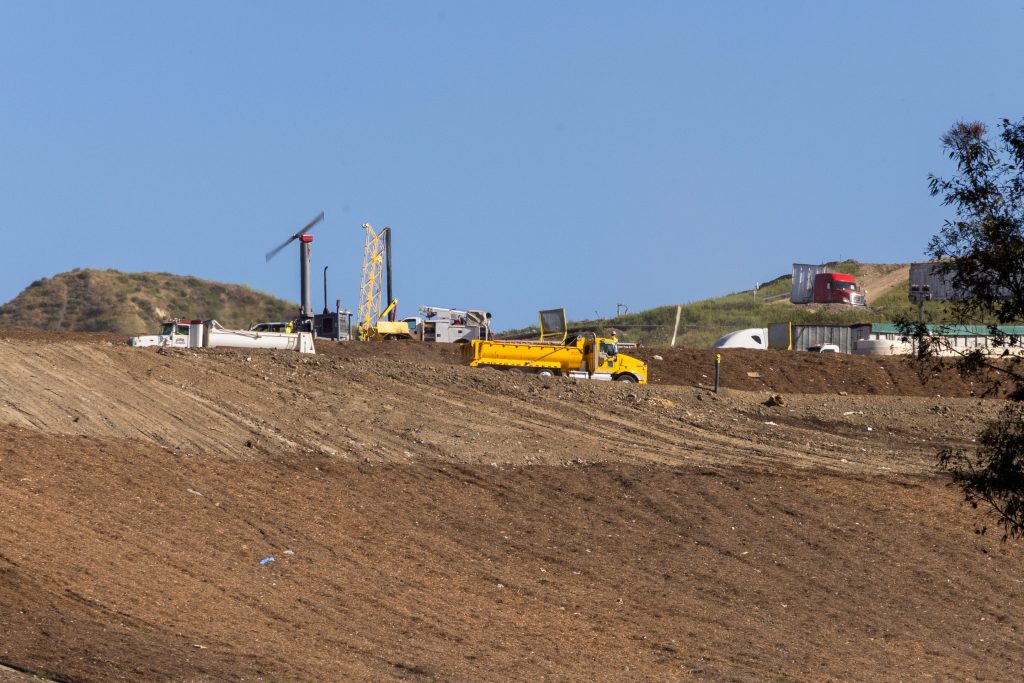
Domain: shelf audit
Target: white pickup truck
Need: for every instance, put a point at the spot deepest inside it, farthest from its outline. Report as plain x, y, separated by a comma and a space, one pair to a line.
189, 334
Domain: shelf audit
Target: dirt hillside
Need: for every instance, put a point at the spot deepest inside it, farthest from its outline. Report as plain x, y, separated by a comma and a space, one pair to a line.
878, 279
429, 521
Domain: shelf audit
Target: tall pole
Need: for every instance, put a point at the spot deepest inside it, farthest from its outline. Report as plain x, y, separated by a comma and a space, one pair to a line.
326, 310
387, 257
307, 306
675, 330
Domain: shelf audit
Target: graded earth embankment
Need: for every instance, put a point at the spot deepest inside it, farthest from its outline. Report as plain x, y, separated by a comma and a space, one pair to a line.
434, 522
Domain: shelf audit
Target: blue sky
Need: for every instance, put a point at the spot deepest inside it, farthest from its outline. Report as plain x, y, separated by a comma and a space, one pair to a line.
527, 155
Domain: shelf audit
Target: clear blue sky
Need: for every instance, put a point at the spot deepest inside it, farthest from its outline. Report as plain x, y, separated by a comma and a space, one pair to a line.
526, 154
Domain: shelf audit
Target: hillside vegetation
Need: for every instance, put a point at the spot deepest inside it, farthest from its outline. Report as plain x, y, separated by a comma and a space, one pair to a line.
112, 301
703, 322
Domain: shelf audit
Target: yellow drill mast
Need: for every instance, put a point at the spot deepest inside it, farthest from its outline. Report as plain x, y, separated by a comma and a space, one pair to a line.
369, 287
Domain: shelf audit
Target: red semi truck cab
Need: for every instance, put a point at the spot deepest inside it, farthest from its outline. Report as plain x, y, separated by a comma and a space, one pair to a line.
837, 288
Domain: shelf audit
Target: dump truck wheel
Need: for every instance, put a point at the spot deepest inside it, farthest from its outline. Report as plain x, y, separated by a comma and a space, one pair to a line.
626, 378
546, 372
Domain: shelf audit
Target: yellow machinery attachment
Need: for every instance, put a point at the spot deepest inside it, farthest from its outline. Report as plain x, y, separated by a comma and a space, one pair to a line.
386, 329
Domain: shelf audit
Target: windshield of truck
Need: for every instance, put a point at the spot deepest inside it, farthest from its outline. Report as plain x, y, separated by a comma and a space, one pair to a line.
844, 285
172, 328
608, 349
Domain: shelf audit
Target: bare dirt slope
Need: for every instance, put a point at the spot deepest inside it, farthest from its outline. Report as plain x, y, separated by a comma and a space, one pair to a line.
880, 278
433, 522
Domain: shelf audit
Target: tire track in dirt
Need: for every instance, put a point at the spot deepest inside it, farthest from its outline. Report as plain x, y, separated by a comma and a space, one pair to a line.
242, 406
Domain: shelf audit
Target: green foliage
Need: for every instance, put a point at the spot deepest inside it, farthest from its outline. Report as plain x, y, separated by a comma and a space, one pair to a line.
982, 250
848, 267
994, 473
983, 247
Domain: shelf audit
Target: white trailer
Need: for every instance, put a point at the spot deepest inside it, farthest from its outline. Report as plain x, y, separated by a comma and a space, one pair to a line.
209, 334
803, 282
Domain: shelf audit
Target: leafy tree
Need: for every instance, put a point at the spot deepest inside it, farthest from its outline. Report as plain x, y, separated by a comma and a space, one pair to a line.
982, 251
994, 473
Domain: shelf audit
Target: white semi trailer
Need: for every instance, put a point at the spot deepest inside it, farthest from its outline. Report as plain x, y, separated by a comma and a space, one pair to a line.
209, 334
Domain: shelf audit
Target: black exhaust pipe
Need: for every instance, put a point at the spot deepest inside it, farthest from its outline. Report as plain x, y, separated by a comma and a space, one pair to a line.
392, 316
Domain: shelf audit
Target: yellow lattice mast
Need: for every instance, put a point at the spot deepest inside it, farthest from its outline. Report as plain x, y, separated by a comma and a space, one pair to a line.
369, 286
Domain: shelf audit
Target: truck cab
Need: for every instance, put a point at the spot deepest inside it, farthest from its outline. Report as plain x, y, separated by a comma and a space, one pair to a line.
837, 288
602, 360
174, 333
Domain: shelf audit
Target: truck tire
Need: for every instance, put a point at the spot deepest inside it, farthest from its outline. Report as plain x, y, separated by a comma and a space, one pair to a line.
626, 378
545, 372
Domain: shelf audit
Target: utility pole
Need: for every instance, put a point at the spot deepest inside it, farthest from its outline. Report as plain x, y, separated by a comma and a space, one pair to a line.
918, 295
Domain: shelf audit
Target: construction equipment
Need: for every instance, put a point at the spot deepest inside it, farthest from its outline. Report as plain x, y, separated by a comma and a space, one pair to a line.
385, 329
376, 250
582, 357
451, 325
306, 306
193, 334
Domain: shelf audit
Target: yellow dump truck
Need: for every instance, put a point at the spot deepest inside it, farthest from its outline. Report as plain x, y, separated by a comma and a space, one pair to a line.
585, 357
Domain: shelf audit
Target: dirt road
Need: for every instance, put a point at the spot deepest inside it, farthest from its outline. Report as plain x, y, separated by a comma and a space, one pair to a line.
429, 521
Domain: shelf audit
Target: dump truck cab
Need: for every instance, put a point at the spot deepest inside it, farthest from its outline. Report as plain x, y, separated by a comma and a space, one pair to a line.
602, 360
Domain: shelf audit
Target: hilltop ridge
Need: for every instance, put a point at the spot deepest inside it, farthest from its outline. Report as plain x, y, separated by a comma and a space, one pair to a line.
88, 300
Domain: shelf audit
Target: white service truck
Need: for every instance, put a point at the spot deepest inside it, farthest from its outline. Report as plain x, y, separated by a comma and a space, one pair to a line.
190, 334
450, 325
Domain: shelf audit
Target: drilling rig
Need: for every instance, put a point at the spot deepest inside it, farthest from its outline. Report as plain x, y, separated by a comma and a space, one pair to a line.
372, 323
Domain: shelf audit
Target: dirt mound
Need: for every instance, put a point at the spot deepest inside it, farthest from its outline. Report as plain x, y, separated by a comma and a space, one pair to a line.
429, 521
816, 373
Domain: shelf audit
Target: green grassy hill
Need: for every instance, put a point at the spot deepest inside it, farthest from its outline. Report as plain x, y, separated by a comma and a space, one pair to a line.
703, 322
111, 301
